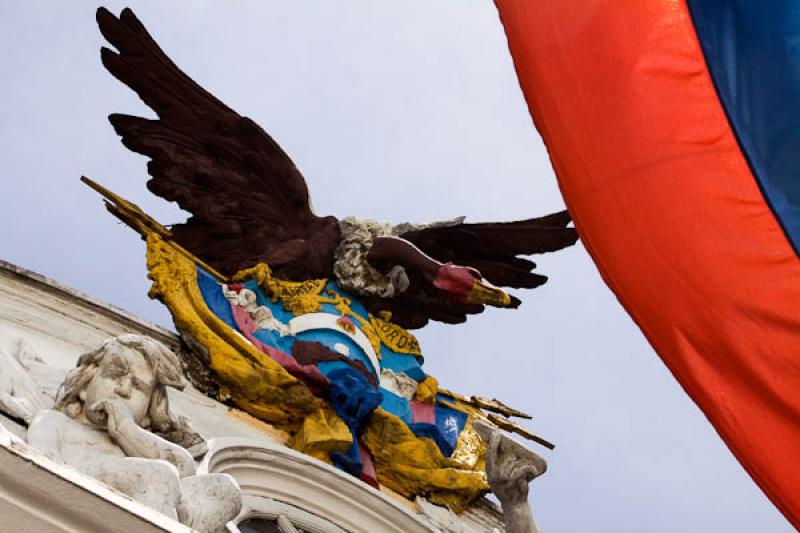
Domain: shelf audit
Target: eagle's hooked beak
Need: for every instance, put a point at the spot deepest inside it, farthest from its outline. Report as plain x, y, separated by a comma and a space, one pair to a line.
466, 285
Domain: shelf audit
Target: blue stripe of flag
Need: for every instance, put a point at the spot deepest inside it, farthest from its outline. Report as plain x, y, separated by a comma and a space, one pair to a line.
752, 49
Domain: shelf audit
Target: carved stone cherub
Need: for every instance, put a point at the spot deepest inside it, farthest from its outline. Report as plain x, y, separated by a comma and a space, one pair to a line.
112, 421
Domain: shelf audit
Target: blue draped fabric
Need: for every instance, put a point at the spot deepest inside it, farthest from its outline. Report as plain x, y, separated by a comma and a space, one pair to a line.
352, 398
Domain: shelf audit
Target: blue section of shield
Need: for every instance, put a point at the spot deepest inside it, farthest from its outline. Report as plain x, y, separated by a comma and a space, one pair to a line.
397, 405
326, 367
752, 50
215, 300
273, 339
400, 362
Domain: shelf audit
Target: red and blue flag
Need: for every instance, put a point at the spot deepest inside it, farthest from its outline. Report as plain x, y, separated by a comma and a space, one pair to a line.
674, 130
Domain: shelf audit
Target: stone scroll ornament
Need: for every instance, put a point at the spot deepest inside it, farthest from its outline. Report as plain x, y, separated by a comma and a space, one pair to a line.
112, 421
303, 320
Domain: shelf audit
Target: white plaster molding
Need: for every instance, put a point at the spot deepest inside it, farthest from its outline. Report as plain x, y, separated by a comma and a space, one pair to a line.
60, 323
447, 520
273, 472
39, 494
133, 322
260, 507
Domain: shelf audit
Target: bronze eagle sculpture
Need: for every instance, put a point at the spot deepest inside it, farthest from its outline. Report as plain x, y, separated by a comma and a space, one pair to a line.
249, 204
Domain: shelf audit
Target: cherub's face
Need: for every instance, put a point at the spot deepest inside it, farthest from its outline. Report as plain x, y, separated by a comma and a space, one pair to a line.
121, 375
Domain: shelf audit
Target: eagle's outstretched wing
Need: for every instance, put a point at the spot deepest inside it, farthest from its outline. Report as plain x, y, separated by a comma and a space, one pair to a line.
492, 248
249, 203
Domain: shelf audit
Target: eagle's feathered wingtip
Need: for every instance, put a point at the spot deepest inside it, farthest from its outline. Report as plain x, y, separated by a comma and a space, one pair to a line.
105, 21
101, 13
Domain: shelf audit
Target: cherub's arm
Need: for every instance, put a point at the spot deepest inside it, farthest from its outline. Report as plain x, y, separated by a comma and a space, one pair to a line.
137, 442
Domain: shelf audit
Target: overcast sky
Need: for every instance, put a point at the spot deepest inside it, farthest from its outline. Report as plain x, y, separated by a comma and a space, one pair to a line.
396, 111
